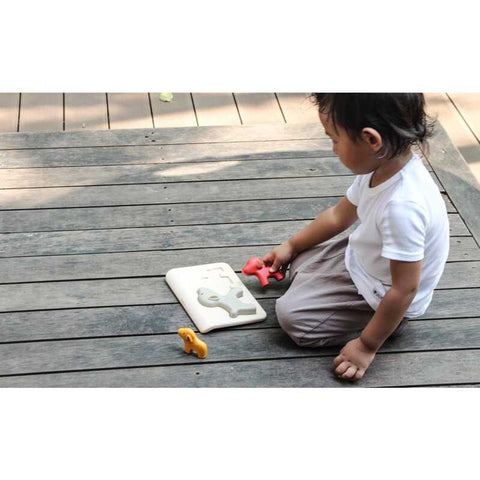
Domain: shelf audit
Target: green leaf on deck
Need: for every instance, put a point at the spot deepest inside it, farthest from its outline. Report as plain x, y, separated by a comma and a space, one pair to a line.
166, 97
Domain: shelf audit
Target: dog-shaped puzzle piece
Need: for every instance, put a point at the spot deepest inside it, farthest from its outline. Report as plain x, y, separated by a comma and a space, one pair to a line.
255, 266
192, 342
230, 301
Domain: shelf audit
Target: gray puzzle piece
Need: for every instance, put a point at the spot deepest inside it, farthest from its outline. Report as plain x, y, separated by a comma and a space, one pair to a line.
229, 301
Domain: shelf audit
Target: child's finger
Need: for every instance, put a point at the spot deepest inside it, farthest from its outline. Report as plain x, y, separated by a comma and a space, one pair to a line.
338, 360
276, 265
359, 375
342, 368
268, 258
350, 373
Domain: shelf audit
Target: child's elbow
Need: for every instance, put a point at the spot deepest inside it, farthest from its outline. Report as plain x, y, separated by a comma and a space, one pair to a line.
412, 290
407, 291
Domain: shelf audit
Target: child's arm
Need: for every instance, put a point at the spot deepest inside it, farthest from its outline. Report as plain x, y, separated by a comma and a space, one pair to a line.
329, 223
356, 356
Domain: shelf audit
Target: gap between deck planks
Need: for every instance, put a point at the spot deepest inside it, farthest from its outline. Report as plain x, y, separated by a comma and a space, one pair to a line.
449, 368
232, 346
458, 112
37, 353
161, 318
39, 112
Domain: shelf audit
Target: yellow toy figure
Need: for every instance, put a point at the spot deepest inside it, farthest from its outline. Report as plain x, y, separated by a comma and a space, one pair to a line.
192, 342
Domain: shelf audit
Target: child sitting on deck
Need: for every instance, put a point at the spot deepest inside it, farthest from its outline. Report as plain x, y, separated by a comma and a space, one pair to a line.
355, 291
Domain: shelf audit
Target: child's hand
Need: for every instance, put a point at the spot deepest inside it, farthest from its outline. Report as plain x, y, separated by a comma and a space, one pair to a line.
279, 257
354, 359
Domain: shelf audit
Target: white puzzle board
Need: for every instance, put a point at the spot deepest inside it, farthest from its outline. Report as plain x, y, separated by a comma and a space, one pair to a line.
218, 278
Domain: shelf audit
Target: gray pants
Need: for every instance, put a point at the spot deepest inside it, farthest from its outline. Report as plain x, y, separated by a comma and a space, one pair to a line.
322, 306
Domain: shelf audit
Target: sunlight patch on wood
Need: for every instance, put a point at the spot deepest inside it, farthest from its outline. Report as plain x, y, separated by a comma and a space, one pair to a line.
196, 169
30, 198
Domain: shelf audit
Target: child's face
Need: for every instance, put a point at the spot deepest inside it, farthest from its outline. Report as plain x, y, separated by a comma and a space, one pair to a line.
358, 156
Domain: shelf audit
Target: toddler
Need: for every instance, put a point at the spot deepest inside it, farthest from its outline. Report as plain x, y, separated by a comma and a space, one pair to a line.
357, 291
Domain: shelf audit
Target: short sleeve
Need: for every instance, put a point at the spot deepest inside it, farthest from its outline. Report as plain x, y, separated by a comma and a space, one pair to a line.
353, 192
403, 228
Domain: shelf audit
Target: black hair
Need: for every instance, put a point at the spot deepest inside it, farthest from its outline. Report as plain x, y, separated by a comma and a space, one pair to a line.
399, 118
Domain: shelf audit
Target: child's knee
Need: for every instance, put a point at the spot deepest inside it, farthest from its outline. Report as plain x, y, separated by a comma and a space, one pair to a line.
308, 330
287, 317
295, 322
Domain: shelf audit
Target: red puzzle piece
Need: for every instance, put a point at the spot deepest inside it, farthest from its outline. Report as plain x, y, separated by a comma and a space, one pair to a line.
255, 266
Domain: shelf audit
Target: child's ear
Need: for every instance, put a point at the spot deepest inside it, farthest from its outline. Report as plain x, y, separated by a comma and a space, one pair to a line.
373, 138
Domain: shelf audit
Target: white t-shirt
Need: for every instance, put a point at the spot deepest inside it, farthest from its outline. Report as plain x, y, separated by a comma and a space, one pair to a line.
404, 219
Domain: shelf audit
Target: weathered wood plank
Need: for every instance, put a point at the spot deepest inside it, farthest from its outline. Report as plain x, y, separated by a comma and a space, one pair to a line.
227, 345
172, 193
84, 294
297, 108
255, 108
170, 173
159, 318
136, 308
107, 322
138, 264
177, 113
129, 110
441, 106
455, 368
468, 105
9, 107
166, 194
155, 238
45, 220
459, 275
155, 193
454, 303
165, 238
132, 174
215, 109
161, 215
453, 172
462, 249
41, 112
165, 154
86, 111
151, 290
163, 136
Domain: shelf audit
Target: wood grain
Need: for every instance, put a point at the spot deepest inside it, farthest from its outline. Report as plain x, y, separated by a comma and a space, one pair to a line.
86, 111
9, 108
224, 346
215, 109
177, 113
129, 110
297, 108
91, 221
163, 136
448, 368
255, 108
159, 318
41, 112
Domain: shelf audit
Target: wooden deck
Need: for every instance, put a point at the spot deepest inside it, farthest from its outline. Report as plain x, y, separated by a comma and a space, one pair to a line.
459, 113
39, 112
92, 220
